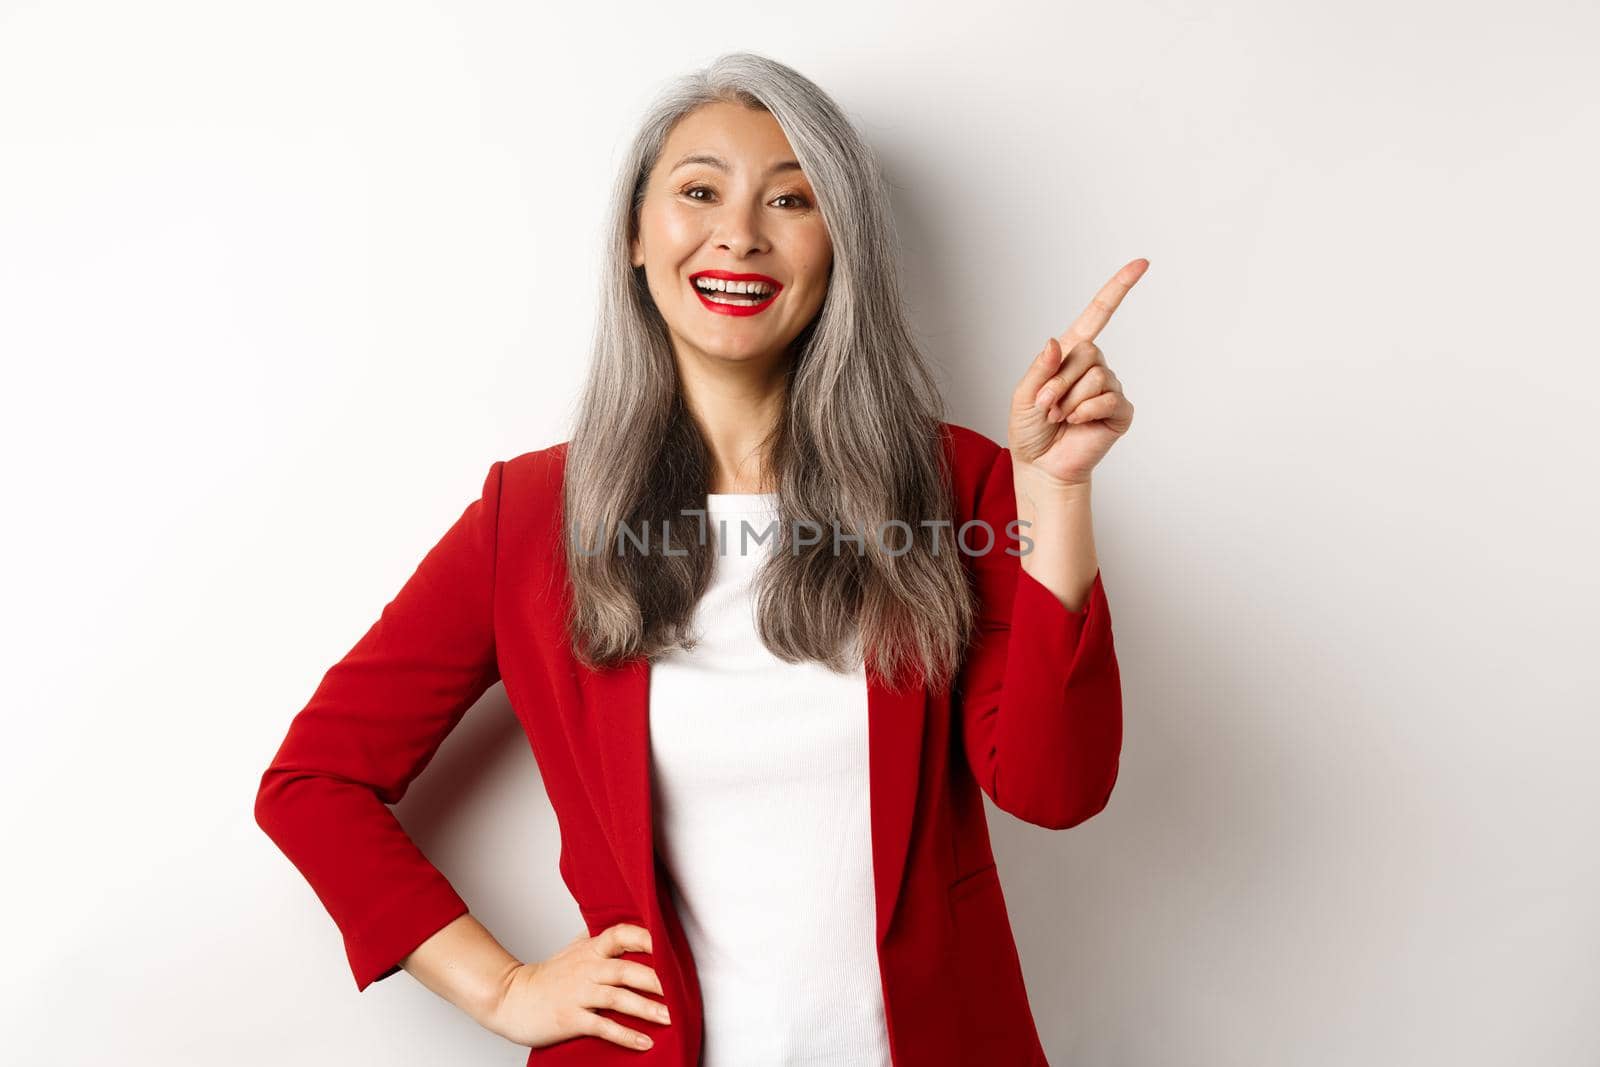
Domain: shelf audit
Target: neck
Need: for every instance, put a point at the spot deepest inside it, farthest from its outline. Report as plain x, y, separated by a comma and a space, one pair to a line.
736, 404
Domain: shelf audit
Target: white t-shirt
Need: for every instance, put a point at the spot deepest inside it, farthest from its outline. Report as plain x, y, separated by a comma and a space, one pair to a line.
759, 781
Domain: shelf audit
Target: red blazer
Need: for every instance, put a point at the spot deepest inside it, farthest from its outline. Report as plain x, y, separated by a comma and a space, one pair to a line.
1035, 721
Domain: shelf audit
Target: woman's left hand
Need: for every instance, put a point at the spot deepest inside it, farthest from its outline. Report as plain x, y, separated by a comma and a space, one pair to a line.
1068, 411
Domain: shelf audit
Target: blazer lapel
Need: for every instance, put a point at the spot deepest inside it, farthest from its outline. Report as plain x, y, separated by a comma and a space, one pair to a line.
895, 724
623, 696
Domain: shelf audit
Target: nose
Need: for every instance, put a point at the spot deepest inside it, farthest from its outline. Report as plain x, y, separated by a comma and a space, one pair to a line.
739, 230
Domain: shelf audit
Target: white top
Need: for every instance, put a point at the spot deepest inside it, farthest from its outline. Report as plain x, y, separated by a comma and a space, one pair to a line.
759, 781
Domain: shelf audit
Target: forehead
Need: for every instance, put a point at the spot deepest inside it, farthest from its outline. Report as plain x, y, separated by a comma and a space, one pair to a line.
740, 138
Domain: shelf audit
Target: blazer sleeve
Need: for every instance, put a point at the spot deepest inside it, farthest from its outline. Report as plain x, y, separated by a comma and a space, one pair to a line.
371, 726
1040, 693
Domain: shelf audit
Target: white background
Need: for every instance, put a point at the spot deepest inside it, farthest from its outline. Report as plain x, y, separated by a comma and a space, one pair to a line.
279, 282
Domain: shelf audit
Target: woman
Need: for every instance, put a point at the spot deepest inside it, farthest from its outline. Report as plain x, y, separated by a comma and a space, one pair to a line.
765, 758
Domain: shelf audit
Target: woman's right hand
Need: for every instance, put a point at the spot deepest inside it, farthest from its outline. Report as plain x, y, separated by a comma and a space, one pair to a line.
543, 1003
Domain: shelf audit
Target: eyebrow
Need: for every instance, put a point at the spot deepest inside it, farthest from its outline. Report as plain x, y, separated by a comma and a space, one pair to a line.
720, 164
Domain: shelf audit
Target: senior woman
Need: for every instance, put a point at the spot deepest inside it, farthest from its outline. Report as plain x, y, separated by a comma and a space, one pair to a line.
772, 628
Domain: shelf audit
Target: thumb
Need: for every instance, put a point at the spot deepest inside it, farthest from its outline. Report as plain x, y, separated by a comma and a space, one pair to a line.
1045, 364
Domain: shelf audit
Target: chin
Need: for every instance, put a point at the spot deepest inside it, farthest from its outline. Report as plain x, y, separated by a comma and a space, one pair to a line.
738, 353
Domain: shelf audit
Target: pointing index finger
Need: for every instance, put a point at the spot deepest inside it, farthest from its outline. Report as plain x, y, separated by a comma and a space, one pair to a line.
1105, 302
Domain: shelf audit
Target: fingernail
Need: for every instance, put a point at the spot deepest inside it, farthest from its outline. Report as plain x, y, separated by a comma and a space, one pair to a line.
662, 1013
643, 1041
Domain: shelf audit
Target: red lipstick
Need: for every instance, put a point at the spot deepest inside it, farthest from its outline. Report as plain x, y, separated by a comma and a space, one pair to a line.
736, 309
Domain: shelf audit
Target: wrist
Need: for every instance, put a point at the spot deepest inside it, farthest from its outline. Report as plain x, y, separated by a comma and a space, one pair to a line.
1039, 489
491, 994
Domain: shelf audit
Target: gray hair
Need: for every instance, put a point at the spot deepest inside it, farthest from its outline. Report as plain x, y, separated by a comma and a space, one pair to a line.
858, 441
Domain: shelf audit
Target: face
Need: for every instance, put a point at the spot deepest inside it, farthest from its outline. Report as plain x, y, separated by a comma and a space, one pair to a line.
739, 206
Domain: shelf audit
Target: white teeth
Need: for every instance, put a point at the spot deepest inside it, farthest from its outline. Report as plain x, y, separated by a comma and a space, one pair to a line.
717, 285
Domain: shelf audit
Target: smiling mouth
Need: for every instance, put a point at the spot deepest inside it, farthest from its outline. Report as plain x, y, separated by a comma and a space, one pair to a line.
751, 298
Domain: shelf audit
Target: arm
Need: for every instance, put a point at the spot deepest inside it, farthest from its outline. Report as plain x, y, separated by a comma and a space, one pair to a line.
370, 728
464, 965
1061, 524
1040, 693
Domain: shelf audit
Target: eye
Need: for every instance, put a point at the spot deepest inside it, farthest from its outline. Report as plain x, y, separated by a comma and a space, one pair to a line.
691, 190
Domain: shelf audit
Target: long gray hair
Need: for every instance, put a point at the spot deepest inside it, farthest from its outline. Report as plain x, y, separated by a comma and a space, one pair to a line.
856, 445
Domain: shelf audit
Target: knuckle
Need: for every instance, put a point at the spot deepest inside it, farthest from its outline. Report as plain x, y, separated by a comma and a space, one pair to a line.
634, 1004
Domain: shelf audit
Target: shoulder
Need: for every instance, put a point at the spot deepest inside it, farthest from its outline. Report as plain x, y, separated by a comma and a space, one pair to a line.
535, 471
527, 488
968, 445
973, 458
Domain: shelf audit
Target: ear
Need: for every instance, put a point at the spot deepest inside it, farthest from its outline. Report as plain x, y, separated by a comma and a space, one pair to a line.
636, 252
